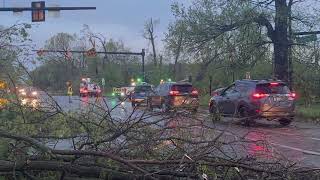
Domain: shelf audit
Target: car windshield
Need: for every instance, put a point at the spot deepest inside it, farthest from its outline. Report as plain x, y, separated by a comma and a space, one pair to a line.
143, 89
270, 88
185, 88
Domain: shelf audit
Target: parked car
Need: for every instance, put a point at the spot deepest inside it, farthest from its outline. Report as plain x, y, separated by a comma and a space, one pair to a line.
140, 94
172, 95
256, 99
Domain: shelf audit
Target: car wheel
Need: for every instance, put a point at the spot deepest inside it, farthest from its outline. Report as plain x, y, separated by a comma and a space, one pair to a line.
214, 112
213, 109
245, 115
149, 105
285, 121
164, 107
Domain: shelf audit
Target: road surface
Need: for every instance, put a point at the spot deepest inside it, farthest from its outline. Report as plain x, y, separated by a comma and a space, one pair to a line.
299, 142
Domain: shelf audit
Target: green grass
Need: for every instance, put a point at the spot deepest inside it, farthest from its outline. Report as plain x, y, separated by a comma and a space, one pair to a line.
312, 112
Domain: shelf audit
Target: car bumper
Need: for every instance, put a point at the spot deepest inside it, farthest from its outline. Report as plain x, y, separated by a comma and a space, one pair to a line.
277, 114
138, 100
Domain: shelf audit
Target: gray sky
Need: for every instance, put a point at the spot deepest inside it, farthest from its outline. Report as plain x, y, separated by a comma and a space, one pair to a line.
117, 19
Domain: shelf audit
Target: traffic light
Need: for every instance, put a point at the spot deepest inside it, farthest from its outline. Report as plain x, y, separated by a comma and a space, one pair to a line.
169, 80
91, 52
39, 14
68, 55
40, 52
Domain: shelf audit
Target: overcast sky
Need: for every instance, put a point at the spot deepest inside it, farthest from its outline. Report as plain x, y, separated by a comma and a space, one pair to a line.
117, 19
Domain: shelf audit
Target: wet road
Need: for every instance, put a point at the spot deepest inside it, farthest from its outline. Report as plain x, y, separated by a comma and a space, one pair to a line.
298, 142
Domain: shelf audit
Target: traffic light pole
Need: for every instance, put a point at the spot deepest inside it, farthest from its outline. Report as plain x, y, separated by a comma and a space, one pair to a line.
143, 70
142, 54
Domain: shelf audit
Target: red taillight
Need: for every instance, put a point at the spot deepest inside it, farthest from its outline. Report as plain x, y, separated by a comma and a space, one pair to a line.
194, 92
259, 95
274, 84
173, 93
293, 95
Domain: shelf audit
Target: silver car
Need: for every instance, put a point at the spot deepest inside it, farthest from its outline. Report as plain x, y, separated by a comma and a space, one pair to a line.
268, 99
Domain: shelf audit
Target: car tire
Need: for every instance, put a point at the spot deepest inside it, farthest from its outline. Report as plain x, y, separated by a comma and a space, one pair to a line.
212, 109
149, 105
245, 114
214, 112
285, 121
164, 108
195, 110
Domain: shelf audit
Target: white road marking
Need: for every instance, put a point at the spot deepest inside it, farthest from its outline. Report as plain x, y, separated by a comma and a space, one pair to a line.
317, 139
297, 149
283, 146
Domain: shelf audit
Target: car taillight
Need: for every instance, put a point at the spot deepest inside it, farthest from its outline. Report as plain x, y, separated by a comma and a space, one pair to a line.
259, 95
194, 92
293, 95
173, 93
274, 84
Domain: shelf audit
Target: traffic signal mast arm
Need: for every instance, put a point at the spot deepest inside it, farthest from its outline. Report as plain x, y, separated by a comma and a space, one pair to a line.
98, 52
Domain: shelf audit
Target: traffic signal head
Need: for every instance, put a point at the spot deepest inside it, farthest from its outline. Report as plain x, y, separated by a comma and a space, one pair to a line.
37, 13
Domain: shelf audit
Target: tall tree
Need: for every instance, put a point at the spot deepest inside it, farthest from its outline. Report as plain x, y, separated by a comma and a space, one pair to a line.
207, 20
149, 34
174, 42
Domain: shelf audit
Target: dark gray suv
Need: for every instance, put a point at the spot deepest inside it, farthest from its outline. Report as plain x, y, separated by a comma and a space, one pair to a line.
256, 99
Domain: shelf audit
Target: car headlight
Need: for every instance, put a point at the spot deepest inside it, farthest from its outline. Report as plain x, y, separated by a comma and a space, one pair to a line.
122, 94
23, 93
21, 90
34, 93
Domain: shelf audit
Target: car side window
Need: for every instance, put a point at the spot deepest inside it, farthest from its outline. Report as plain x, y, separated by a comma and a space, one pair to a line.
230, 90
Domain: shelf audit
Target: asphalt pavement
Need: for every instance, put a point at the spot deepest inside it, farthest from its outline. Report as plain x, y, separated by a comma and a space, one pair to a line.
299, 142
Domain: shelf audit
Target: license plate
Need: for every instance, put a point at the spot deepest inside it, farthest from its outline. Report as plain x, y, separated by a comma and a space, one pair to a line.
277, 99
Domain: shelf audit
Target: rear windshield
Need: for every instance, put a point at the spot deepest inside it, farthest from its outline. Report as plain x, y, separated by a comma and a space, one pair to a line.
142, 89
273, 89
185, 88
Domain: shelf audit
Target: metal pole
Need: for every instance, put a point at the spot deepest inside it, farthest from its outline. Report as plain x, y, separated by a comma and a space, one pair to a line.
143, 71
